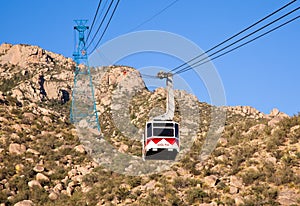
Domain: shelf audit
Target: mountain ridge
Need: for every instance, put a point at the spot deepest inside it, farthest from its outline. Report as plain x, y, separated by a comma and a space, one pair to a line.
255, 162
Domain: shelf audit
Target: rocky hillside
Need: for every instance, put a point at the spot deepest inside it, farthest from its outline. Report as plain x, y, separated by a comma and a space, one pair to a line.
43, 162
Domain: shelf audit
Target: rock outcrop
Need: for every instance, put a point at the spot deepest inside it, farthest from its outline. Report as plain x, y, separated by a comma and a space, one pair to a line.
29, 72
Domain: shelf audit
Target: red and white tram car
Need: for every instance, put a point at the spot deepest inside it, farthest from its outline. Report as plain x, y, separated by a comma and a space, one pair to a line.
161, 140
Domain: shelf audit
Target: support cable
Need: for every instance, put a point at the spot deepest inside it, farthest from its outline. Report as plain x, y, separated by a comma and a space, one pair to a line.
95, 17
149, 76
235, 35
153, 16
231, 50
115, 8
244, 37
106, 13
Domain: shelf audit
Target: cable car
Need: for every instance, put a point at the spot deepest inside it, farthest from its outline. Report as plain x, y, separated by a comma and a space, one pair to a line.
161, 140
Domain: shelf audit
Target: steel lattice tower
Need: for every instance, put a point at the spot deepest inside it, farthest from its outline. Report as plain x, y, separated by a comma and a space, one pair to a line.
83, 105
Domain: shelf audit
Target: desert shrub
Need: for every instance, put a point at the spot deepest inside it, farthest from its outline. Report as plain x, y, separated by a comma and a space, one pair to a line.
122, 193
287, 123
180, 182
268, 169
298, 155
60, 173
91, 178
283, 175
251, 175
222, 186
277, 154
262, 194
134, 181
151, 199
267, 130
174, 200
196, 195
228, 201
189, 164
19, 185
3, 196
272, 143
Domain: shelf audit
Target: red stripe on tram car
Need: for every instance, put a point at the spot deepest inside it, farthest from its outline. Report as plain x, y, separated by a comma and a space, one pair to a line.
157, 140
171, 140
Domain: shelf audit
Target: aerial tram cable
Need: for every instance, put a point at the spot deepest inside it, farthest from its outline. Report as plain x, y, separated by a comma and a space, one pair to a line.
235, 35
95, 17
237, 41
115, 8
241, 45
198, 63
99, 27
153, 16
149, 76
101, 12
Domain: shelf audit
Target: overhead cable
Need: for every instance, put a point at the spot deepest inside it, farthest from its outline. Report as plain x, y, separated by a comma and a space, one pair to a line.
235, 35
99, 27
153, 16
115, 8
241, 45
95, 17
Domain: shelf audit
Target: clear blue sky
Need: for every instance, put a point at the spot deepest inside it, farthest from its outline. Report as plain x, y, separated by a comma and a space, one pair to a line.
264, 74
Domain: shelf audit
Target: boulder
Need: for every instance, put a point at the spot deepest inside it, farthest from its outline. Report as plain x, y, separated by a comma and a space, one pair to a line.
274, 112
29, 116
80, 149
210, 180
149, 186
33, 151
53, 196
77, 178
24, 203
17, 127
42, 178
72, 173
83, 170
236, 182
17, 149
47, 119
258, 127
58, 188
223, 141
38, 168
123, 148
288, 197
294, 129
274, 121
233, 190
3, 120
70, 190
239, 201
34, 183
